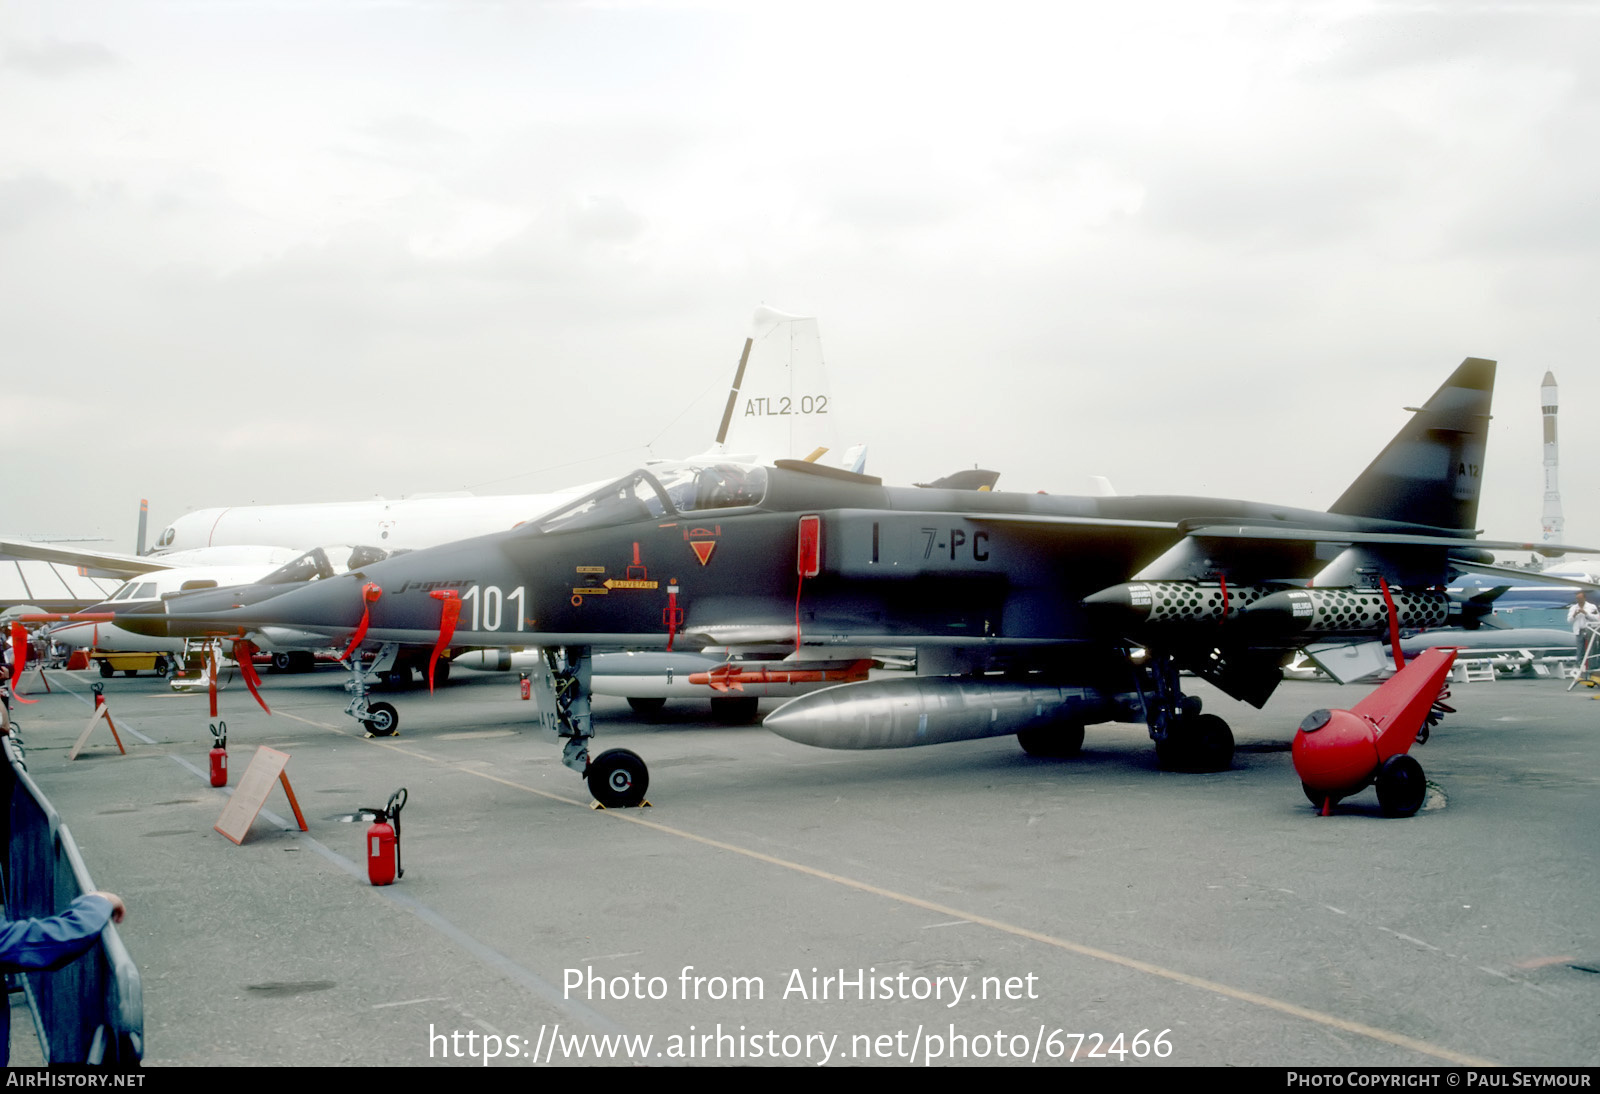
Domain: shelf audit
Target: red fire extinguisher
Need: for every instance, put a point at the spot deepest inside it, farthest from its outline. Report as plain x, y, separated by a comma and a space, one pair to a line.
383, 841
219, 755
527, 686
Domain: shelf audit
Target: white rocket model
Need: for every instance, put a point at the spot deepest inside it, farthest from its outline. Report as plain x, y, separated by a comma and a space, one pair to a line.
1552, 493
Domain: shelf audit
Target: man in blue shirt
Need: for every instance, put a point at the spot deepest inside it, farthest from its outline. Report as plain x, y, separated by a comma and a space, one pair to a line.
51, 943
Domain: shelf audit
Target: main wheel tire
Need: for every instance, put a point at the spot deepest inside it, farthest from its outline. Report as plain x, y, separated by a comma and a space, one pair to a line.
1200, 744
1213, 744
1052, 742
163, 666
735, 712
1401, 786
648, 709
618, 779
382, 720
283, 662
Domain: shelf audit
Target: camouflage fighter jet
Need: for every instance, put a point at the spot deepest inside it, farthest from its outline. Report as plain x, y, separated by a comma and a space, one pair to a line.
1030, 614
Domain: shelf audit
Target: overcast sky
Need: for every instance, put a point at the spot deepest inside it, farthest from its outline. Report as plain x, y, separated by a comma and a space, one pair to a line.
294, 251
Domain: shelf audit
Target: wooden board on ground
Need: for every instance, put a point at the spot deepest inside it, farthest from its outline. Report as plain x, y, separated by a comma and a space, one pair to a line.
240, 813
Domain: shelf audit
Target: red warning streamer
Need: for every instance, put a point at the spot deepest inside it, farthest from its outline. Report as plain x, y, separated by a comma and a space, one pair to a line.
370, 592
244, 653
1394, 625
449, 612
19, 654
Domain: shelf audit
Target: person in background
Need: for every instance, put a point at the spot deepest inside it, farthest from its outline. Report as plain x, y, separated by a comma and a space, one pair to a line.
1583, 616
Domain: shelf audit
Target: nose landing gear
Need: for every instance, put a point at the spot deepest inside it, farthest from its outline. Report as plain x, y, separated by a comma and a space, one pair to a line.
379, 719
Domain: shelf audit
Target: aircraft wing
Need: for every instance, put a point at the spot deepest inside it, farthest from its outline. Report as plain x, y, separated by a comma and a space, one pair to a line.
1396, 539
1528, 577
105, 562
1290, 534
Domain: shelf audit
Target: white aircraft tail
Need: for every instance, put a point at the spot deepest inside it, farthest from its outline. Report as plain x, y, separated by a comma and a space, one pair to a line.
780, 406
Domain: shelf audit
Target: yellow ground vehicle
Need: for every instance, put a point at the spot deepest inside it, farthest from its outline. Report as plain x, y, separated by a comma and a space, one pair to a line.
130, 664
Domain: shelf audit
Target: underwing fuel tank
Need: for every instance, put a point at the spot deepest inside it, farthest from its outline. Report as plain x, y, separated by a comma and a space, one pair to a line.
929, 710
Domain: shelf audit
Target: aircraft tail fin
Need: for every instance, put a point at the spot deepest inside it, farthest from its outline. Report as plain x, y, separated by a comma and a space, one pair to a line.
1432, 471
780, 405
144, 520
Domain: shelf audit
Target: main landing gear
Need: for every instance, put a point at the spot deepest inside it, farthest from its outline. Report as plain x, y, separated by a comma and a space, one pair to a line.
617, 778
1186, 740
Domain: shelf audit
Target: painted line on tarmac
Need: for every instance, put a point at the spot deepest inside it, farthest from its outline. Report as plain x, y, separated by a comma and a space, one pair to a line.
1266, 1002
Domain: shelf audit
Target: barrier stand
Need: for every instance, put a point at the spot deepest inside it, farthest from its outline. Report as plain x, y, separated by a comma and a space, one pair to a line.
102, 712
211, 687
240, 813
43, 679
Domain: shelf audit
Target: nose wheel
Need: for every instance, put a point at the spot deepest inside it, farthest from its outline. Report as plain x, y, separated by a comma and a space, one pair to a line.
378, 719
382, 720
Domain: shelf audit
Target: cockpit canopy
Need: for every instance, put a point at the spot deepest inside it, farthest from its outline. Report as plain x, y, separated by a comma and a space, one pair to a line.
321, 563
667, 491
136, 589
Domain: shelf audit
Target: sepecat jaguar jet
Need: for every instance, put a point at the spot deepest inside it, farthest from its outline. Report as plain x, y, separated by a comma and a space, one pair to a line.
1030, 614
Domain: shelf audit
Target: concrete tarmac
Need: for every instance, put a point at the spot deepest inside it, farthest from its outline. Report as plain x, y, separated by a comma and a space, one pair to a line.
961, 903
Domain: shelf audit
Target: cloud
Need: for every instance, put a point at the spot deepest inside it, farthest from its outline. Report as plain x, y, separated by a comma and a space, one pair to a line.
25, 199
51, 58
410, 129
604, 219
